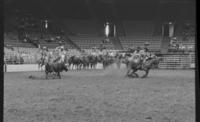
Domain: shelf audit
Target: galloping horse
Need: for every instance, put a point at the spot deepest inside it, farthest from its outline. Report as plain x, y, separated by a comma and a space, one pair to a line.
135, 65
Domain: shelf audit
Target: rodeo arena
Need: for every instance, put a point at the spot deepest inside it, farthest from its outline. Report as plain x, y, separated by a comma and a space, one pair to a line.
99, 60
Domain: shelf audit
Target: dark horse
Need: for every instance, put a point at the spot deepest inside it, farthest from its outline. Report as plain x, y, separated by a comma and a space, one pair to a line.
133, 67
107, 61
75, 61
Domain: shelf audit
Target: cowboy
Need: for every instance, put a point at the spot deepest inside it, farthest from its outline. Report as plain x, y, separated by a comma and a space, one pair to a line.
145, 54
131, 49
94, 52
43, 55
44, 52
62, 53
139, 54
137, 51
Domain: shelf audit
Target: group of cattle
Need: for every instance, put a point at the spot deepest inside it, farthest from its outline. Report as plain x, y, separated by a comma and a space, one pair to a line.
91, 61
78, 62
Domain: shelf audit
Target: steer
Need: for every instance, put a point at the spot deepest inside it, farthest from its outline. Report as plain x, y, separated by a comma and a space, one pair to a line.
55, 67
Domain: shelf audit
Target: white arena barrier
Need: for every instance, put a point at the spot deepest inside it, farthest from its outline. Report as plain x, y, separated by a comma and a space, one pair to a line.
34, 67
22, 67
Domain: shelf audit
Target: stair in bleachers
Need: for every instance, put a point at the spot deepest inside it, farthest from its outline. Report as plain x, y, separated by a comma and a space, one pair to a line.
165, 45
116, 42
87, 42
18, 44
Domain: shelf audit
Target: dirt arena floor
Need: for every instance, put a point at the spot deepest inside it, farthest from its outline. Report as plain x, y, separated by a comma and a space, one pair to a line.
100, 96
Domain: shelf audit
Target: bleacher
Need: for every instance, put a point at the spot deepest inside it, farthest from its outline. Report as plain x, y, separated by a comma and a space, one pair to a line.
154, 42
86, 42
11, 39
91, 41
137, 34
14, 55
28, 55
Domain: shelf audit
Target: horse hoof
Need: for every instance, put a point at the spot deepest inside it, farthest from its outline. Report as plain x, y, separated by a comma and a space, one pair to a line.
129, 76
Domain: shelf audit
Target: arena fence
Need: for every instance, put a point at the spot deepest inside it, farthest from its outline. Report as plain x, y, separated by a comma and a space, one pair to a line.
170, 61
32, 67
178, 61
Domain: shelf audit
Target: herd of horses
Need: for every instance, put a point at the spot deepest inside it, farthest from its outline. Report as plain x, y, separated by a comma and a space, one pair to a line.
133, 63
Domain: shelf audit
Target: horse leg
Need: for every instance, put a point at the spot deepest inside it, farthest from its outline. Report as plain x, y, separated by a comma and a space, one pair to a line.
91, 66
95, 66
41, 67
59, 76
146, 73
104, 65
38, 66
78, 67
135, 74
128, 72
84, 66
46, 75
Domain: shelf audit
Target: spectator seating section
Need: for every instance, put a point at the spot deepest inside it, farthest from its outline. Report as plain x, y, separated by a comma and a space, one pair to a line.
29, 55
13, 56
12, 40
89, 42
155, 42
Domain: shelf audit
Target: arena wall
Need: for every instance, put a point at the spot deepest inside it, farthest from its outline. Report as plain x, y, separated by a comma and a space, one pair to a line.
30, 67
178, 61
170, 61
20, 68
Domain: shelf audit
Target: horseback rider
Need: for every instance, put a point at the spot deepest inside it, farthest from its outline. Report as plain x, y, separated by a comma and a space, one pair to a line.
60, 55
138, 53
143, 53
44, 54
44, 51
94, 52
